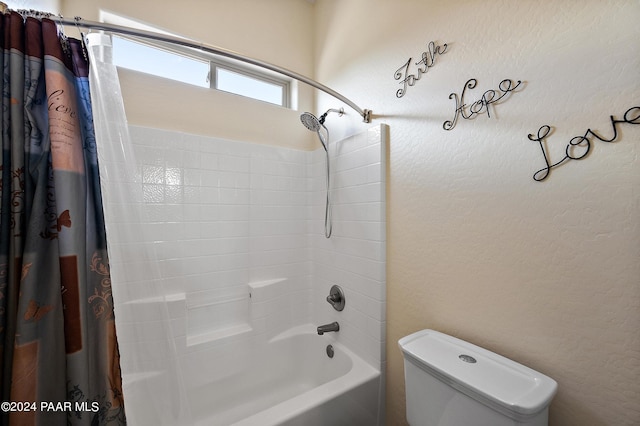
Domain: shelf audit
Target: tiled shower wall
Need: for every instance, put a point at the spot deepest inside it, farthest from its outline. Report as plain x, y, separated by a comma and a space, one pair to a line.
238, 233
355, 256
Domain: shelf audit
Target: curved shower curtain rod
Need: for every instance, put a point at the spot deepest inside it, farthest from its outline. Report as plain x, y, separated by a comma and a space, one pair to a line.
79, 22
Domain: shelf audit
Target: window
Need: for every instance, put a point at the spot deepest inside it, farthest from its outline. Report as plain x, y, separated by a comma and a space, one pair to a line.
196, 67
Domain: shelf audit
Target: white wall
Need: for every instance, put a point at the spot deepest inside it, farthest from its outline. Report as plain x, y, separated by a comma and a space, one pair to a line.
544, 273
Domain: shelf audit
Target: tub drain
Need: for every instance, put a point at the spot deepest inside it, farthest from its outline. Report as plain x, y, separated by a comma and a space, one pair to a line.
330, 351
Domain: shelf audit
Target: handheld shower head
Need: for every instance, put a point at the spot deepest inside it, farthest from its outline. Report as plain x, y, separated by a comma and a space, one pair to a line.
310, 121
314, 124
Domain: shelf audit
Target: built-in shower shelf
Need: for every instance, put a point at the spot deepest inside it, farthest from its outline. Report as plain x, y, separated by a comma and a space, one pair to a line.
154, 306
260, 291
218, 334
168, 298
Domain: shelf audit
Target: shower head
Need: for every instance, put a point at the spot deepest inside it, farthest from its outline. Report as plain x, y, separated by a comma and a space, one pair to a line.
310, 121
313, 123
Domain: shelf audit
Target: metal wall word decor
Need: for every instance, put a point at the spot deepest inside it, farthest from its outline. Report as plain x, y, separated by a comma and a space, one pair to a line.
481, 105
428, 60
579, 146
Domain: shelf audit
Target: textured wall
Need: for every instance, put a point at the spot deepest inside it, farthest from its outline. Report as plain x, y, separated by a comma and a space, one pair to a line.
545, 273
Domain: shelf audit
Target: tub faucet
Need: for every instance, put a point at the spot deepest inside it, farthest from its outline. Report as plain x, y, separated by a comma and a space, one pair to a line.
334, 326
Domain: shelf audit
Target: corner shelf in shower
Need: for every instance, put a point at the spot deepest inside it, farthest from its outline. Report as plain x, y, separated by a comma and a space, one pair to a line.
175, 304
260, 291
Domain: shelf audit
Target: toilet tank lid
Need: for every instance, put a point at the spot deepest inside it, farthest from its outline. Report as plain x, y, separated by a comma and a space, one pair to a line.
497, 381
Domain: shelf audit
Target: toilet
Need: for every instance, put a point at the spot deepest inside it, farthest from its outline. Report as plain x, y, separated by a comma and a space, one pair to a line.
450, 382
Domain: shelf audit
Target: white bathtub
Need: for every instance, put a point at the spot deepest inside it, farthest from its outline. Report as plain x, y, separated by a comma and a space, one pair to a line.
292, 381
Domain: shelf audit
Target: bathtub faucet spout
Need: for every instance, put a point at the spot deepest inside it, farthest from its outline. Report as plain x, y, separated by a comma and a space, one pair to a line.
334, 326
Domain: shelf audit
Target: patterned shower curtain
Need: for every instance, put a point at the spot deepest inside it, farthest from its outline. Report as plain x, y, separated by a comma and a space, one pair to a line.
58, 349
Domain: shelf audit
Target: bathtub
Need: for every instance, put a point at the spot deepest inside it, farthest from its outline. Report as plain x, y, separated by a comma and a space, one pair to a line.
292, 381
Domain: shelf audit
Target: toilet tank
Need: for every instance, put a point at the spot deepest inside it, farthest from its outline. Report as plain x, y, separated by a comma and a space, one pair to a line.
450, 382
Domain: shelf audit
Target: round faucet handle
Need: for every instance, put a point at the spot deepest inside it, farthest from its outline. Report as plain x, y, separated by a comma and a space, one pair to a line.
336, 298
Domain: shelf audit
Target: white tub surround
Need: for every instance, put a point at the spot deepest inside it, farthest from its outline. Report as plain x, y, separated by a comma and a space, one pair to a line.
238, 233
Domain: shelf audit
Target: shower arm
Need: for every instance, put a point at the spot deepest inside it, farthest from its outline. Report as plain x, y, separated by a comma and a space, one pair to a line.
79, 22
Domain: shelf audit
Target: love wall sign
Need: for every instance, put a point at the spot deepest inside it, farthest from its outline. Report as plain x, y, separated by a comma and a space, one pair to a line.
580, 146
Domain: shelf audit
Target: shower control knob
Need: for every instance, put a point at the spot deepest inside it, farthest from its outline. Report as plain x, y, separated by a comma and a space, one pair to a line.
336, 298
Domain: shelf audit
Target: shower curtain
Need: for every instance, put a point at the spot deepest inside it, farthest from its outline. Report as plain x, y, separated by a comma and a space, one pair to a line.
151, 369
58, 348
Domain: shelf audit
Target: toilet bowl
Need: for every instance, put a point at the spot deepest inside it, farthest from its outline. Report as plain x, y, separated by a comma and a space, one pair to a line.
450, 382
